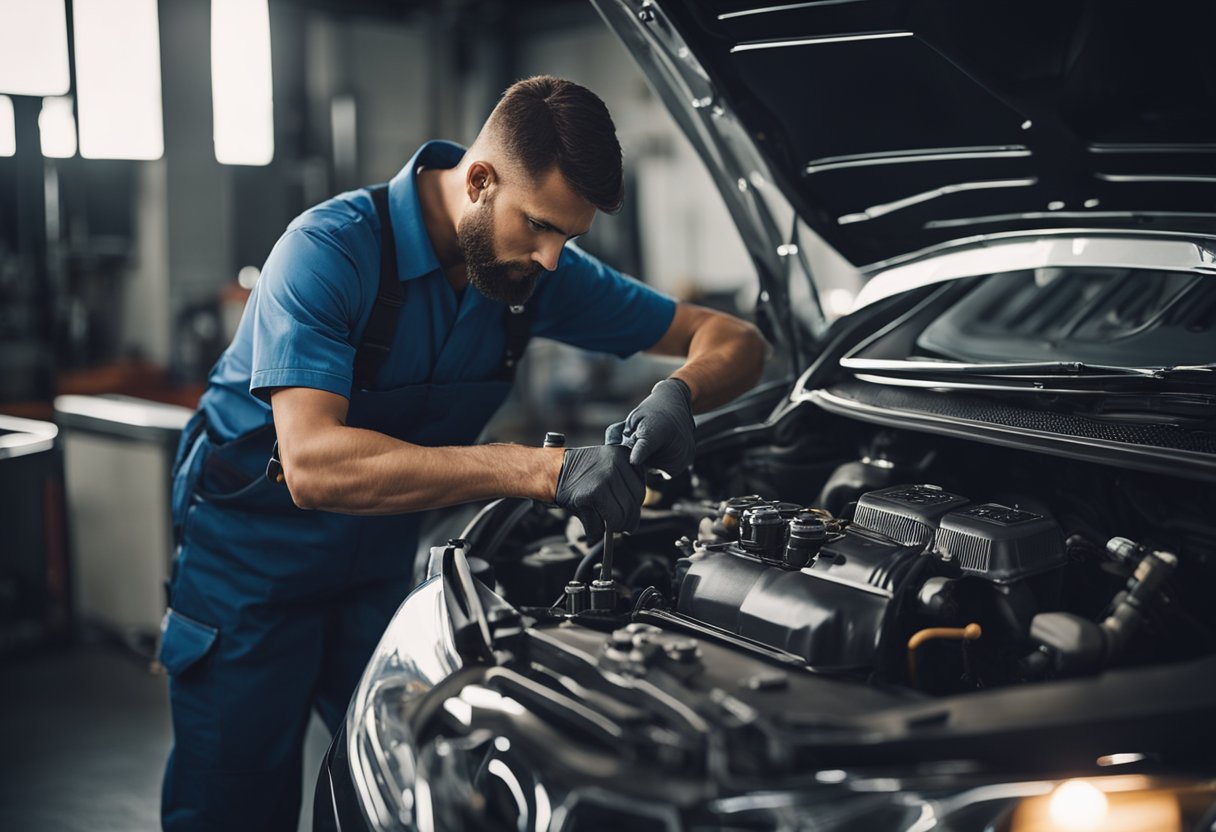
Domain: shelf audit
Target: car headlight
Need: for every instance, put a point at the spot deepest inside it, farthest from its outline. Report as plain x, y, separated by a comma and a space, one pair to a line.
415, 653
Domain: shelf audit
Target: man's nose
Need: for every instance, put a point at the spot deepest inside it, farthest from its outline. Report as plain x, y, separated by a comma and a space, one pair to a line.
547, 254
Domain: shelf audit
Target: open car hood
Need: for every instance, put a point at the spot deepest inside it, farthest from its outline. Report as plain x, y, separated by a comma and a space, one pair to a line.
893, 128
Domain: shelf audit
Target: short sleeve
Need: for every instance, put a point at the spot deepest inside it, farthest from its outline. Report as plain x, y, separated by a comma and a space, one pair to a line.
588, 304
305, 309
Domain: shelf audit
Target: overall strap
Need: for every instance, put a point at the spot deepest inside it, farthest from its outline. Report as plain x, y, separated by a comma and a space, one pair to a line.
519, 331
382, 325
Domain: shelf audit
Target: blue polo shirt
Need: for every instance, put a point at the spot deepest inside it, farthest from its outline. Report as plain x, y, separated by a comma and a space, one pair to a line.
306, 315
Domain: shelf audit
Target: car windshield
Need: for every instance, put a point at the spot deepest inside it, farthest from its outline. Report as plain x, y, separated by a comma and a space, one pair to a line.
1062, 321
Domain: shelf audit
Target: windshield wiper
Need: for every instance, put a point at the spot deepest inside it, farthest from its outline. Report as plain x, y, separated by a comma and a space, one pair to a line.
1072, 378
1030, 370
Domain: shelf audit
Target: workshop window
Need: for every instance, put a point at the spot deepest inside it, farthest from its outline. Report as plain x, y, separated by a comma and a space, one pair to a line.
8, 127
118, 85
241, 82
33, 47
57, 127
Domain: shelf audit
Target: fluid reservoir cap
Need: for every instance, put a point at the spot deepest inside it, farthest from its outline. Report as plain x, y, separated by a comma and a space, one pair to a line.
808, 527
807, 535
762, 532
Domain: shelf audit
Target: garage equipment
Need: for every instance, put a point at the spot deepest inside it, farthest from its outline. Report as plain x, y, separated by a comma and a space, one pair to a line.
34, 601
117, 454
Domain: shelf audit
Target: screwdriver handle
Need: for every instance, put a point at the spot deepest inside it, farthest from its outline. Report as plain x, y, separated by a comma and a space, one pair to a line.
606, 563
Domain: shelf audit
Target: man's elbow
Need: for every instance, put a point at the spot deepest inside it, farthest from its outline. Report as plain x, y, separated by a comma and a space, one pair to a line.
309, 478
308, 490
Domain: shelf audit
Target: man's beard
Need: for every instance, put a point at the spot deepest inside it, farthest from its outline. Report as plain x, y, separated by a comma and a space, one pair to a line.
496, 279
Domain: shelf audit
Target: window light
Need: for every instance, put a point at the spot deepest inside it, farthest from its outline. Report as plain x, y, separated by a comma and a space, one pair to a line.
33, 47
8, 127
118, 79
57, 127
241, 82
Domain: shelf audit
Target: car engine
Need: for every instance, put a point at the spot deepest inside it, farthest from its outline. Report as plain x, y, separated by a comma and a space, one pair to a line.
848, 594
913, 566
910, 584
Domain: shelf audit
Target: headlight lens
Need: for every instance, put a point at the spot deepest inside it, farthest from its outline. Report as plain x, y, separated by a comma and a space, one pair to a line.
1118, 804
415, 653
1107, 803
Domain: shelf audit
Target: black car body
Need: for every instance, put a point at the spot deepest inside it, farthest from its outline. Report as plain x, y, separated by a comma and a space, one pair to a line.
955, 575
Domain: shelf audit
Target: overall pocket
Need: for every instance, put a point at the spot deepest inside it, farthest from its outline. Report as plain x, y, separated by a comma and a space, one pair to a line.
184, 642
234, 475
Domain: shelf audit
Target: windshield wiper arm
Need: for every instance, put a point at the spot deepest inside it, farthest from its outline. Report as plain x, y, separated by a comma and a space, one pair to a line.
1028, 370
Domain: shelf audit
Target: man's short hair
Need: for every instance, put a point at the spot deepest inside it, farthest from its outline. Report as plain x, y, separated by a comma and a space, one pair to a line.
543, 121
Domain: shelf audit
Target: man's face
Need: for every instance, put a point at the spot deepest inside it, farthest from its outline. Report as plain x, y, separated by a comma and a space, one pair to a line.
518, 229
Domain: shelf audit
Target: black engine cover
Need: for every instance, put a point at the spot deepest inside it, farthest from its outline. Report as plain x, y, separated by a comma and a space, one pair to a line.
831, 613
835, 612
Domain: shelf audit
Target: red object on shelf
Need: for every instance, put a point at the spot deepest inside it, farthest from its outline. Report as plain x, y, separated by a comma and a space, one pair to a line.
129, 378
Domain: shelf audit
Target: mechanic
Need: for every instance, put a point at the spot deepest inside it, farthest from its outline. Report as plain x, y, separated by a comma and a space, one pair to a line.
379, 340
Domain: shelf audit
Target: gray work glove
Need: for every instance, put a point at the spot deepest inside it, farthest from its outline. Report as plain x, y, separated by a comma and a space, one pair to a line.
660, 430
601, 488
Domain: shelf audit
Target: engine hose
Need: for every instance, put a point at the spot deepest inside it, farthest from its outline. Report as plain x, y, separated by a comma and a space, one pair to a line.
1132, 605
903, 587
583, 572
969, 633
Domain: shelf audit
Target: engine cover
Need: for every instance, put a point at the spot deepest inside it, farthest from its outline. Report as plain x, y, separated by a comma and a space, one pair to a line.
827, 617
835, 612
999, 543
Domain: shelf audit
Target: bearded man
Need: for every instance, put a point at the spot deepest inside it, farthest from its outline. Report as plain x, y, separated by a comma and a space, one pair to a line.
381, 337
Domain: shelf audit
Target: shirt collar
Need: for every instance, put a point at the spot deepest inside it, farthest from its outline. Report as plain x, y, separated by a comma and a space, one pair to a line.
415, 253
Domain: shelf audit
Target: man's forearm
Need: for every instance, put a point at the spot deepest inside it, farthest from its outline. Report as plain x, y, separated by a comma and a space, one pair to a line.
725, 358
355, 471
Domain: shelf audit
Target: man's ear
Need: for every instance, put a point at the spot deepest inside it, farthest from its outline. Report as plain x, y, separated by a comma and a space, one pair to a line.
477, 179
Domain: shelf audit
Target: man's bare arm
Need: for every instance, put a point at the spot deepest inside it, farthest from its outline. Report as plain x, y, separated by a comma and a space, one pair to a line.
333, 467
725, 355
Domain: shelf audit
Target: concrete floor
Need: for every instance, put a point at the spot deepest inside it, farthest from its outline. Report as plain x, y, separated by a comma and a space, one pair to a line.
84, 733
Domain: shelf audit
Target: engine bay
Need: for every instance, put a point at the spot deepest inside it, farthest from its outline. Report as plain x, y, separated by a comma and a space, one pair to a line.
908, 566
908, 569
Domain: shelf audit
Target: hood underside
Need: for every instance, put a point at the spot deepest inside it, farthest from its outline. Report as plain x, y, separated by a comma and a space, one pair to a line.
893, 126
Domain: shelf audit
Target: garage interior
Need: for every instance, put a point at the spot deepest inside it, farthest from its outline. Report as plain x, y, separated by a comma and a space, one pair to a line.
128, 245
1027, 344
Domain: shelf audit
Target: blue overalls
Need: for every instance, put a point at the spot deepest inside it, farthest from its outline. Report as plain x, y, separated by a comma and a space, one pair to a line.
274, 610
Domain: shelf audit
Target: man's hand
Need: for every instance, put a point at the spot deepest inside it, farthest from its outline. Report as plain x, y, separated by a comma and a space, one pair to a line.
601, 488
660, 430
